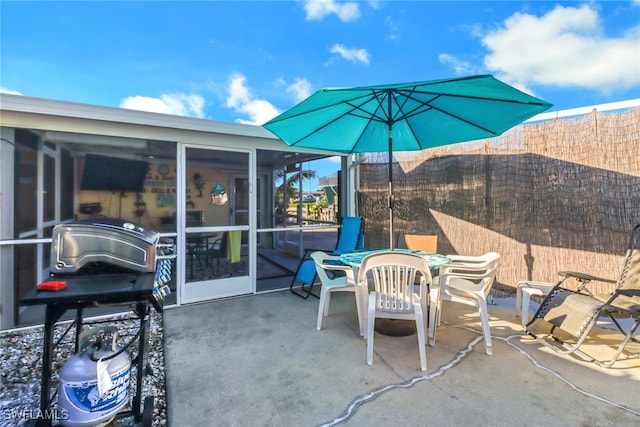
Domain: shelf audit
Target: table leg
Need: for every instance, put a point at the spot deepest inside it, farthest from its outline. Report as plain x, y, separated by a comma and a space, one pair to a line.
361, 299
395, 327
524, 291
526, 298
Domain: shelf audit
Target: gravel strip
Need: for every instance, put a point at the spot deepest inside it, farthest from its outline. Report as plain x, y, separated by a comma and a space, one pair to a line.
21, 367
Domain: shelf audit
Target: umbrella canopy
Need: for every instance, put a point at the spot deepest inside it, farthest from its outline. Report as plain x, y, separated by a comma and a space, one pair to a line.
405, 117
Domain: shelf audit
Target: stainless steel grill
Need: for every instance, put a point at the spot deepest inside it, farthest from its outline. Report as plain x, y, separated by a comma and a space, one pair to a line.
103, 262
108, 240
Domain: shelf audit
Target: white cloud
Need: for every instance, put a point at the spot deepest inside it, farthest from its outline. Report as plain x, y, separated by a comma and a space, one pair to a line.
238, 91
179, 104
242, 101
566, 47
459, 66
317, 9
351, 54
300, 88
9, 91
392, 28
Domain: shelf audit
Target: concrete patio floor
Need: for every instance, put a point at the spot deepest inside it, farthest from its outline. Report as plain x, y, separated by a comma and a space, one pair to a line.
259, 361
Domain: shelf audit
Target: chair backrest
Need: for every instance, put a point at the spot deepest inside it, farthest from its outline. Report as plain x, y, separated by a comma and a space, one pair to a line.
217, 247
419, 242
322, 260
351, 236
629, 278
394, 276
480, 270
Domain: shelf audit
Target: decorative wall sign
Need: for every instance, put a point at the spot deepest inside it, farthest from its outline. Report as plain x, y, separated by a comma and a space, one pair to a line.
218, 195
198, 183
166, 200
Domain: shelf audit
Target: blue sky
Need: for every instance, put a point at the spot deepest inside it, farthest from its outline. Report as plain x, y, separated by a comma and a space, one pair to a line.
245, 61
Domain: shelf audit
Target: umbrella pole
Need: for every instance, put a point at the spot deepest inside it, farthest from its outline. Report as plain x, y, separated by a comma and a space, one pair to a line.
391, 215
391, 199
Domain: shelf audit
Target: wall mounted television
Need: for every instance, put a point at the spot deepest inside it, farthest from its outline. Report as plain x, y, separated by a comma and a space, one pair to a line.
105, 173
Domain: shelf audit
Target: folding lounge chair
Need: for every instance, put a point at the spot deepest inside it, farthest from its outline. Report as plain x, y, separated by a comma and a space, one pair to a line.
566, 317
350, 238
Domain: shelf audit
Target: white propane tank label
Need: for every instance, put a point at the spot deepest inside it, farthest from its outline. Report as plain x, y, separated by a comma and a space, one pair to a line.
102, 375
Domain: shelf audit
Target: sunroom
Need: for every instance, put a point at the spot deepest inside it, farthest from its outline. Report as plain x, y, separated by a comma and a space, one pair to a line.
239, 204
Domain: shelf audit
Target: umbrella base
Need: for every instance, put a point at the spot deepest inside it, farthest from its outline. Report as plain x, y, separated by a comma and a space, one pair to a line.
395, 327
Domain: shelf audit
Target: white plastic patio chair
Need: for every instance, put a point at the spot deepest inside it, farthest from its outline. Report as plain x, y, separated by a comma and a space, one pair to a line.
468, 280
350, 238
393, 296
343, 283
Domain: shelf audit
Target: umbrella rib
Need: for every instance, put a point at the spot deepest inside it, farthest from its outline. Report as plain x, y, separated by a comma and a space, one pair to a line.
365, 114
421, 108
290, 116
455, 116
428, 104
318, 129
477, 126
480, 98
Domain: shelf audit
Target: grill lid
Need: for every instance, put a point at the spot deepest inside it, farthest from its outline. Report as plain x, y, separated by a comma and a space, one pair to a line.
108, 240
120, 226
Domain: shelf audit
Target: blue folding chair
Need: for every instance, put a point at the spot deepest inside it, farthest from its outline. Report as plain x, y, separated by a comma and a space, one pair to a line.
350, 238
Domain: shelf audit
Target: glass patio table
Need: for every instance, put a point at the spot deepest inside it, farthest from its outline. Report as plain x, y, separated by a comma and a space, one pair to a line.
391, 327
354, 259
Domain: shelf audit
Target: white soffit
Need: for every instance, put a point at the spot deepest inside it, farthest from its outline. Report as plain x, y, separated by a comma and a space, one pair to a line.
64, 109
26, 104
83, 138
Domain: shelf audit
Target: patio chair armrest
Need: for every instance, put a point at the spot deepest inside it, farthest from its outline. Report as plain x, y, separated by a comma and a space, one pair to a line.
338, 265
462, 274
462, 259
585, 277
489, 258
630, 304
628, 292
458, 269
584, 280
308, 251
331, 262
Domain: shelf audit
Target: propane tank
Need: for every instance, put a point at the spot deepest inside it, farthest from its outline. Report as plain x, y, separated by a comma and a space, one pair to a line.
78, 391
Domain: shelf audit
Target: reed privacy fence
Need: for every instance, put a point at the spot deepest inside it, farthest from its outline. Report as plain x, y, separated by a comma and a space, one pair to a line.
559, 195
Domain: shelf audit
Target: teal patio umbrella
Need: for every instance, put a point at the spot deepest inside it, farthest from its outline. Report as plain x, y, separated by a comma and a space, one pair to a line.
404, 117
